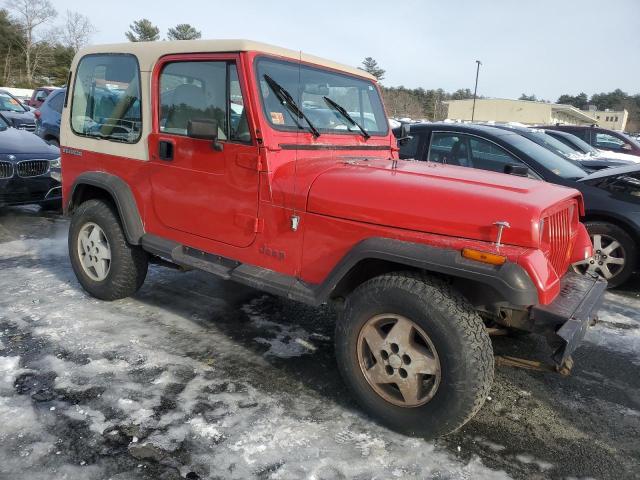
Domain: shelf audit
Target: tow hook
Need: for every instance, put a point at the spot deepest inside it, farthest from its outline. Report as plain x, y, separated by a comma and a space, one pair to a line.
564, 369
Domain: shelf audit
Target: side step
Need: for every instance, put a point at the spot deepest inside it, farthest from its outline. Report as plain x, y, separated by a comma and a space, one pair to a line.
255, 277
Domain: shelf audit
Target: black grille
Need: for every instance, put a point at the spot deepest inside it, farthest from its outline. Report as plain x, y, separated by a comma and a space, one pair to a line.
33, 168
6, 170
29, 127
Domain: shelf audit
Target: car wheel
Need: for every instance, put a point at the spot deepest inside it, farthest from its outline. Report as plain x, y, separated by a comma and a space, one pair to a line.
106, 265
614, 253
414, 353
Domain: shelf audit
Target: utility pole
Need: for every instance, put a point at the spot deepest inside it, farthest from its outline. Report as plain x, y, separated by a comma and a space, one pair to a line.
475, 90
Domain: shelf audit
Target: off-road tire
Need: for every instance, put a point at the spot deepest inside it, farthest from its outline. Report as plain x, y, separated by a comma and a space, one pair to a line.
129, 263
457, 333
629, 246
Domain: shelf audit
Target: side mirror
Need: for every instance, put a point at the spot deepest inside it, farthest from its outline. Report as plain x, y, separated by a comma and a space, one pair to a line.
519, 170
204, 129
405, 136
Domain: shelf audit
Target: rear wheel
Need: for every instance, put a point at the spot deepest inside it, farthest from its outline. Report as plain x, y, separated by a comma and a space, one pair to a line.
414, 353
107, 266
614, 253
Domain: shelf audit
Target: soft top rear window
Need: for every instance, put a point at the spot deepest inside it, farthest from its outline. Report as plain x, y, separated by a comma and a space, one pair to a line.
106, 102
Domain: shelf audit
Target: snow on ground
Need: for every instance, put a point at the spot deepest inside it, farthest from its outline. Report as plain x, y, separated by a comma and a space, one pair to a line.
198, 378
93, 389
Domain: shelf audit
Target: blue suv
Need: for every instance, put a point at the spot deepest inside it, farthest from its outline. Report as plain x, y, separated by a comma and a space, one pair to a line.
48, 117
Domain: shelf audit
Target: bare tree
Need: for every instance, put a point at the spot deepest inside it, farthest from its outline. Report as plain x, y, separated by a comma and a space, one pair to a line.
77, 30
31, 15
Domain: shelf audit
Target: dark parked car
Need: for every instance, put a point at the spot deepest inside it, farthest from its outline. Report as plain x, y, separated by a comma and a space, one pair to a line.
601, 138
39, 95
583, 147
541, 137
611, 196
29, 169
48, 117
16, 113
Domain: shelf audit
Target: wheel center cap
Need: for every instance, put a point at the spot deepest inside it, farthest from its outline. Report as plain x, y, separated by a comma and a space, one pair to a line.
395, 361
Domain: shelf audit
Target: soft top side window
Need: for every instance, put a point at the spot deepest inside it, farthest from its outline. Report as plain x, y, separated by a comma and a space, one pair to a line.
106, 99
197, 90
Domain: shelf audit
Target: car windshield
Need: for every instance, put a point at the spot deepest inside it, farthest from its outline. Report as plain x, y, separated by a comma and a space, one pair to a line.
8, 103
577, 141
552, 143
309, 86
553, 162
629, 139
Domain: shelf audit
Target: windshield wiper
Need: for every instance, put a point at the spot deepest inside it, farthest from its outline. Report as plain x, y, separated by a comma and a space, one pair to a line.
341, 110
289, 103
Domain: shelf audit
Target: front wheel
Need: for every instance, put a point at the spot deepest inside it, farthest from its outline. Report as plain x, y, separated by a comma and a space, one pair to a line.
106, 265
614, 254
414, 353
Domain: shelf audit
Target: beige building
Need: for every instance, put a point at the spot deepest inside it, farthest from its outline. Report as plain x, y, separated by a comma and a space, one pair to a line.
615, 120
521, 111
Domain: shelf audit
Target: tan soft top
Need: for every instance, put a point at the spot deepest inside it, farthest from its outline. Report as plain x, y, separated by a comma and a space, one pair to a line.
148, 53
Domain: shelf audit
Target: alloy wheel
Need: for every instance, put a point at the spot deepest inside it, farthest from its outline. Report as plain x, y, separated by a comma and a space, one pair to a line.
94, 251
608, 260
398, 360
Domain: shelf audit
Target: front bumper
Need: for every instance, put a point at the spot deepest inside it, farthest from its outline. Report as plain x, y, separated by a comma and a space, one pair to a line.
565, 320
24, 191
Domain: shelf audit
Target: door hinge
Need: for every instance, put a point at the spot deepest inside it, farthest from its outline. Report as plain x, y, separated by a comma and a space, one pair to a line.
250, 161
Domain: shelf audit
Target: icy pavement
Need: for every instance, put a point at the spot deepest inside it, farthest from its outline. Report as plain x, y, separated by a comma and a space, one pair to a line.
198, 378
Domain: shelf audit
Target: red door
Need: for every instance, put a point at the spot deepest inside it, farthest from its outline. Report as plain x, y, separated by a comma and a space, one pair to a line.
196, 188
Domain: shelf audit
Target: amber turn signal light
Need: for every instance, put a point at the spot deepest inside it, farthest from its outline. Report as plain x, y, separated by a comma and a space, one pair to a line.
484, 257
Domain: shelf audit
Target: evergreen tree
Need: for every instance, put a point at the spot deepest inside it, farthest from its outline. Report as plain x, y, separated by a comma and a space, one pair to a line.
183, 31
143, 31
372, 67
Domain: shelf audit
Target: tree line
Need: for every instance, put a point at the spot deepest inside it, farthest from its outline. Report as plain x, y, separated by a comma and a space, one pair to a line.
37, 46
419, 103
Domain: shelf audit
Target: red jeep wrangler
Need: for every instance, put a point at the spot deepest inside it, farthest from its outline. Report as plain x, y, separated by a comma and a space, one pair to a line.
278, 170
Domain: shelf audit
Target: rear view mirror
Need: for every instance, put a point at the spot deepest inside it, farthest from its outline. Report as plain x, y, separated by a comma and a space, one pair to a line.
405, 129
204, 129
519, 170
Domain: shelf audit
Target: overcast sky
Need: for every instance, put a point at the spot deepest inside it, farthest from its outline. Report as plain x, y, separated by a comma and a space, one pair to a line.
544, 47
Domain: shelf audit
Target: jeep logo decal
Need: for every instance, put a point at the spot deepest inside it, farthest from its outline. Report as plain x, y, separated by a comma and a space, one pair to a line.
277, 254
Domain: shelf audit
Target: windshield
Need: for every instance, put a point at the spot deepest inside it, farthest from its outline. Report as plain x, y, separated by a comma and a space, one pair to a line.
629, 139
556, 164
573, 140
308, 86
9, 103
551, 143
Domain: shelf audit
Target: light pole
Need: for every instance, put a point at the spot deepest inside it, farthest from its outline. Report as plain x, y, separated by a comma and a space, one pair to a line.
475, 90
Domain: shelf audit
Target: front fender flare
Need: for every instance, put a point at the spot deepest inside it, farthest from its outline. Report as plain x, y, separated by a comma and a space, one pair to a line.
122, 196
509, 280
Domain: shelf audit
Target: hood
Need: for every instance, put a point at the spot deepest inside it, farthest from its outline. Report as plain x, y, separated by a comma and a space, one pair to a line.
606, 154
437, 198
612, 172
18, 142
18, 118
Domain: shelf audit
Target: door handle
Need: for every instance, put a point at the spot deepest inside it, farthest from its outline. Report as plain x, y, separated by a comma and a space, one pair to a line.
165, 150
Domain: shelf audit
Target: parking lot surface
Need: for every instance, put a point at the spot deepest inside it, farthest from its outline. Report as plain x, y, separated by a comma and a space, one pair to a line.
199, 378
